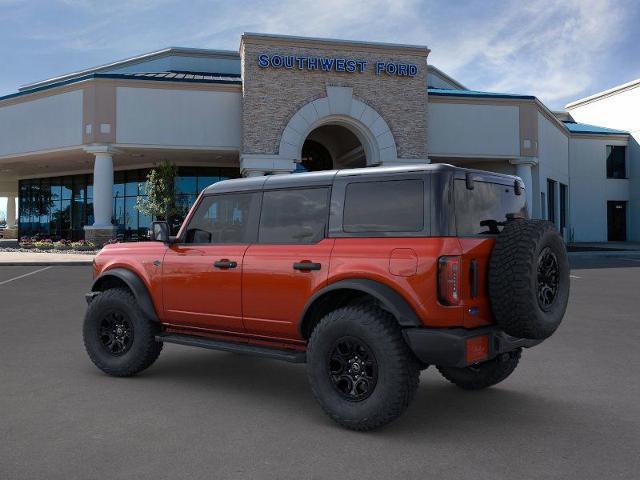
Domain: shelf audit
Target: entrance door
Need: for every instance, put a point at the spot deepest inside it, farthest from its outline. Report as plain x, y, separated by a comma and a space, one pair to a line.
202, 273
289, 263
617, 221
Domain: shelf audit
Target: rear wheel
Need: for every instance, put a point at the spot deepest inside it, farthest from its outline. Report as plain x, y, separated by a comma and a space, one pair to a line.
483, 375
360, 369
118, 337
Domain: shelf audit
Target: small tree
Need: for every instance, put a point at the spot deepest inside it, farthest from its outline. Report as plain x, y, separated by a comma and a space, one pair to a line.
160, 201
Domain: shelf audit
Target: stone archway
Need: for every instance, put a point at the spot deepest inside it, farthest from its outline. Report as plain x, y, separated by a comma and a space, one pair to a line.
339, 108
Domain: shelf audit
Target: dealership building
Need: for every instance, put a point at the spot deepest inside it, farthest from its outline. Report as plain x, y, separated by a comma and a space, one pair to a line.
75, 149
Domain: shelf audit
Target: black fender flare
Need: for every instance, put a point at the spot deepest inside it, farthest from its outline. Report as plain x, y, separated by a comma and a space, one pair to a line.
389, 299
135, 284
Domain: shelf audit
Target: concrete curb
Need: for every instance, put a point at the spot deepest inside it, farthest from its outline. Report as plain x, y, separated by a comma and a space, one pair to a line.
606, 253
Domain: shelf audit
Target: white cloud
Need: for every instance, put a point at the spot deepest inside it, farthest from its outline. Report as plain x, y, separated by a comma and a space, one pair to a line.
544, 47
547, 48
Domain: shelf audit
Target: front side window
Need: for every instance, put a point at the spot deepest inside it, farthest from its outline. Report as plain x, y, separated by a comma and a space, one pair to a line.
223, 219
384, 206
297, 216
616, 165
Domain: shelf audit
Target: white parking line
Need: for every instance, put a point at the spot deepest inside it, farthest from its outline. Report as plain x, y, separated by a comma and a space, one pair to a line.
574, 276
25, 275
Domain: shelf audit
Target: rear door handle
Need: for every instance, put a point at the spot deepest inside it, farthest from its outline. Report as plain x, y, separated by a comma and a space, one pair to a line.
305, 266
224, 264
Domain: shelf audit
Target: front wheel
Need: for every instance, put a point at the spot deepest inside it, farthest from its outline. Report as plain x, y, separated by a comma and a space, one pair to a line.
118, 337
484, 374
360, 368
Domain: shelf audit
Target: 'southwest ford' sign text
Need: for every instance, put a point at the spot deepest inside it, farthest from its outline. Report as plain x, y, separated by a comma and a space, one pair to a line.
333, 64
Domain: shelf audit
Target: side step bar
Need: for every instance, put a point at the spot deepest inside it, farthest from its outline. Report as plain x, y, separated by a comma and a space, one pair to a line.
293, 356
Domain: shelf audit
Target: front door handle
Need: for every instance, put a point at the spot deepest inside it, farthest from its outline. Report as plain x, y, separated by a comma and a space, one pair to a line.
224, 264
306, 265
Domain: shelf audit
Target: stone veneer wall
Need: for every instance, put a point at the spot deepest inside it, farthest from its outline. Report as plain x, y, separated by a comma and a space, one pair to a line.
271, 96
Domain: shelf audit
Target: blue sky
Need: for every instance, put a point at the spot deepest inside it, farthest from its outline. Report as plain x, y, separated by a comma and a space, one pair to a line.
557, 50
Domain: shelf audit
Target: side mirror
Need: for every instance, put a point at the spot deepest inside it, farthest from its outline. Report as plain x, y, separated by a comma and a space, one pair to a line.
159, 232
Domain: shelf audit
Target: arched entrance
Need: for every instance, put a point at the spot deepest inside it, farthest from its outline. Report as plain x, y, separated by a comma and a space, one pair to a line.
331, 147
336, 130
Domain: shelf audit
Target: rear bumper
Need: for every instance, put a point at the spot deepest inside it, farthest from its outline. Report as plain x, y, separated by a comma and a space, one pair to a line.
448, 347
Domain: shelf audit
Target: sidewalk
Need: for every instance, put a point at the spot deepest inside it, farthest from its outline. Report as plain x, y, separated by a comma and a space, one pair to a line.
36, 259
604, 246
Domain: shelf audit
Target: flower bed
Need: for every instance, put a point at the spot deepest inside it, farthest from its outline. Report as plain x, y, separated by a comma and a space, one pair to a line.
46, 245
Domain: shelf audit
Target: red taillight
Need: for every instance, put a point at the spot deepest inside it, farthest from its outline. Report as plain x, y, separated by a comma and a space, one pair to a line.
449, 280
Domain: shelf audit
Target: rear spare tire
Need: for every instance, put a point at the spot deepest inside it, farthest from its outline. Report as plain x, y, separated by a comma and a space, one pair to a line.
529, 279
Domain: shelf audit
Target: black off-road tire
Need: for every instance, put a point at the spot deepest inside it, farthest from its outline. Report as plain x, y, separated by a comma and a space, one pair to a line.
518, 274
398, 371
137, 355
484, 374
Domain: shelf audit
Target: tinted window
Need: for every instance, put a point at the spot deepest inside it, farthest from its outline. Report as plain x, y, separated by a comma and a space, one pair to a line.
479, 211
389, 206
616, 162
223, 219
294, 216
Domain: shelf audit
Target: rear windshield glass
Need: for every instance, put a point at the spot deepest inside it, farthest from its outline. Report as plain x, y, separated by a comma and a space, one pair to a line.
483, 210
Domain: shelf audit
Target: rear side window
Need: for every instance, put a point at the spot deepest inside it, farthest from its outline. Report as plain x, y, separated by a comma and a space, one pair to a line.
481, 211
386, 206
297, 216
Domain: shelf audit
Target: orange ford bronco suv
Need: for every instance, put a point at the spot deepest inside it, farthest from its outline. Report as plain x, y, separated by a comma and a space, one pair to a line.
367, 275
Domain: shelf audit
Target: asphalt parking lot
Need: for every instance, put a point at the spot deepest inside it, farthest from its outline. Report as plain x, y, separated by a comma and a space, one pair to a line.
570, 411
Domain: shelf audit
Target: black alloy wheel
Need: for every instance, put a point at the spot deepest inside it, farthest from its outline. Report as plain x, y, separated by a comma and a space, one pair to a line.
353, 369
119, 338
116, 333
548, 278
360, 368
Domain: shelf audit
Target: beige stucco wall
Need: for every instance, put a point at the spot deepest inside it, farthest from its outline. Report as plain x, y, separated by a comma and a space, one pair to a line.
178, 117
467, 129
54, 121
272, 96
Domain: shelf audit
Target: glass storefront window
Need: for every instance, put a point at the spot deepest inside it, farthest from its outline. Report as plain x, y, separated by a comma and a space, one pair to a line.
67, 188
79, 188
56, 189
118, 184
90, 186
59, 207
186, 184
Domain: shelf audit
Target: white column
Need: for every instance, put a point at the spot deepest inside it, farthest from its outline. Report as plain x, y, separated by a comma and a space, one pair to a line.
523, 170
103, 190
102, 185
11, 212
